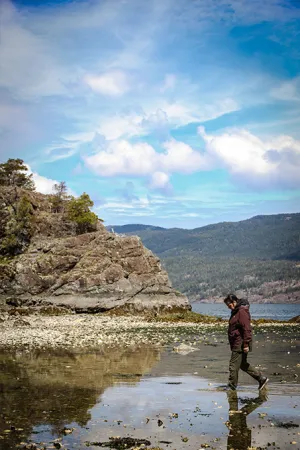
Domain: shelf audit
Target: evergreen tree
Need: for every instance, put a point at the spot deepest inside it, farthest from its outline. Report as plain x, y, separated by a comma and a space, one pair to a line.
80, 213
14, 173
19, 228
59, 197
60, 189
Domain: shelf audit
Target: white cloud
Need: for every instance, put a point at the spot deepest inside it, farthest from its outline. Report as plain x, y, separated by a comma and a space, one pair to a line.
183, 112
156, 121
218, 108
113, 84
250, 160
121, 126
42, 184
180, 157
115, 205
45, 185
180, 114
27, 65
190, 215
82, 137
256, 162
169, 83
160, 180
61, 151
288, 90
161, 117
239, 150
141, 159
121, 157
129, 125
142, 213
68, 147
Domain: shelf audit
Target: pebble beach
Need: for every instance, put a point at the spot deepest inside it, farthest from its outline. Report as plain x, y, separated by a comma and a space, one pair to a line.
75, 332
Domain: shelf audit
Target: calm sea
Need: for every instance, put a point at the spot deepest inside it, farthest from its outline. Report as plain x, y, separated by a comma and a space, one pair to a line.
258, 311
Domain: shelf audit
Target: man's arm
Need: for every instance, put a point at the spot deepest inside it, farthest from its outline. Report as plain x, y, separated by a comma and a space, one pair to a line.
244, 321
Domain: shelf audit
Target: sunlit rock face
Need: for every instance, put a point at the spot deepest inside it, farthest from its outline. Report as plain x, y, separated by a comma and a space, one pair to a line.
91, 272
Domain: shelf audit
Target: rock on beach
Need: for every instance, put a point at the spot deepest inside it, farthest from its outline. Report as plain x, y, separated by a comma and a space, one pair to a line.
87, 273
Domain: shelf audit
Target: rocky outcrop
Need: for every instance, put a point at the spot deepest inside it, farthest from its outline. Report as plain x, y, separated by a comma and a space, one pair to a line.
59, 269
92, 272
295, 319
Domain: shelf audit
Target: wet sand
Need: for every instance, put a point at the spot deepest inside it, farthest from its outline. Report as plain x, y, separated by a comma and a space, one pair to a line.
152, 392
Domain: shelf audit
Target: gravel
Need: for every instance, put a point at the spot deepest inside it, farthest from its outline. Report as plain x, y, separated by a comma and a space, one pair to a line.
80, 332
87, 331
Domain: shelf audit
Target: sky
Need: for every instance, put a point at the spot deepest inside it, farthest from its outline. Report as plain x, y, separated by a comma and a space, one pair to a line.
166, 112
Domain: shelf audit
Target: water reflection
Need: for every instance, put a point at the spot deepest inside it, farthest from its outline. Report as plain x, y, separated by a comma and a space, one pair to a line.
104, 394
239, 436
40, 392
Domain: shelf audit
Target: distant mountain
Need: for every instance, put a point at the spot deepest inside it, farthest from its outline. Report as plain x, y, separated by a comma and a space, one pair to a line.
265, 237
131, 228
248, 255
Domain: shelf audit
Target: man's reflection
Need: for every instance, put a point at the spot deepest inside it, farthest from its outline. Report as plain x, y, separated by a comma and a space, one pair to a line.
239, 437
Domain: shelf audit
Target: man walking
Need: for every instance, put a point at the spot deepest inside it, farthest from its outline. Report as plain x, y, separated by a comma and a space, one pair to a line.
240, 340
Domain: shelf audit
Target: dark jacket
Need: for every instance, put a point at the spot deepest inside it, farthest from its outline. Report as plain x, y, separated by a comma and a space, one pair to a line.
239, 328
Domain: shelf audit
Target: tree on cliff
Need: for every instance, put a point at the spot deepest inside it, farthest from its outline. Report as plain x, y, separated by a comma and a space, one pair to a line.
78, 211
59, 197
14, 173
19, 227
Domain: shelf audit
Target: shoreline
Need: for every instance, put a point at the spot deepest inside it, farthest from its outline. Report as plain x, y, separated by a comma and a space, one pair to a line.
267, 301
89, 332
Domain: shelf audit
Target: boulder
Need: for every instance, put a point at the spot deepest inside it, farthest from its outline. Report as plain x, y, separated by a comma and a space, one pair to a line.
184, 349
92, 272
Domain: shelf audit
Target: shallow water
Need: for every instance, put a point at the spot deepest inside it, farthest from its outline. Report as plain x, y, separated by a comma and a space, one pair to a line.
124, 392
258, 310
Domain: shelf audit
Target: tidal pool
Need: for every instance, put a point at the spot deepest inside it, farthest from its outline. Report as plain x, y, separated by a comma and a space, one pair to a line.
171, 400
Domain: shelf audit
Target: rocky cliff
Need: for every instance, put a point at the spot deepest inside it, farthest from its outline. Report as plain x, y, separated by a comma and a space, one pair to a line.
91, 272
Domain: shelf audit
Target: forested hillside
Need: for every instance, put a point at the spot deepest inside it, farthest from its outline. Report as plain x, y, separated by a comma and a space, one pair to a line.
260, 256
131, 228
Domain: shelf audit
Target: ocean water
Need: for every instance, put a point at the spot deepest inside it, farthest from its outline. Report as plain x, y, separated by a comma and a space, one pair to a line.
258, 311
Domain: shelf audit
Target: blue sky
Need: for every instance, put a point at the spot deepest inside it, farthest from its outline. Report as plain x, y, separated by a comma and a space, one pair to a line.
171, 113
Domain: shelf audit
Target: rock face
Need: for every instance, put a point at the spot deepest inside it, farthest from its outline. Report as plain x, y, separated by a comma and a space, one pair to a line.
92, 272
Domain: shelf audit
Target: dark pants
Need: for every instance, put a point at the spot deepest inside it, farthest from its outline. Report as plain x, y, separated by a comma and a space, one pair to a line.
239, 361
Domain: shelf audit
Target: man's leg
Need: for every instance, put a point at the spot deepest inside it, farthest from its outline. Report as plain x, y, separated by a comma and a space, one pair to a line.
234, 366
246, 367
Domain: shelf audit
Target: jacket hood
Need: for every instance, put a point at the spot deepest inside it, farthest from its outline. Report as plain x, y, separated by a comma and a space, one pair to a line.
241, 302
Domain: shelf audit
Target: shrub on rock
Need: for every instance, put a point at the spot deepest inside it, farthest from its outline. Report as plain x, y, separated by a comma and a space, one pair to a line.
78, 211
19, 227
